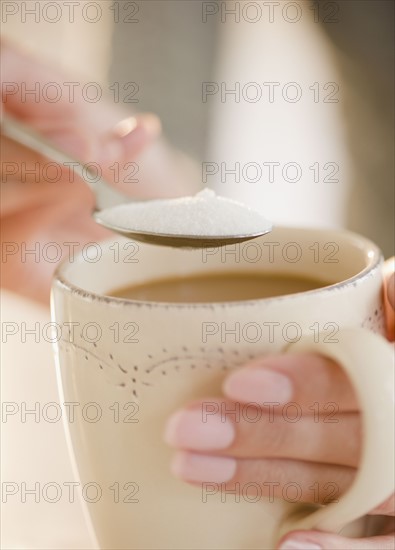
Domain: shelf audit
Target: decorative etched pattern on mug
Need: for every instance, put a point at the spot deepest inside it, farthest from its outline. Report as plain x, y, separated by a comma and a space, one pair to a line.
132, 377
376, 321
153, 368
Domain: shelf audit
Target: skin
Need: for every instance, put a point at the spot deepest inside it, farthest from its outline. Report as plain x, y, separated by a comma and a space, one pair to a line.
45, 212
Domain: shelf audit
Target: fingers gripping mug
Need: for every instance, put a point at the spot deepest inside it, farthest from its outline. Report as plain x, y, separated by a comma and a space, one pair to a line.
129, 364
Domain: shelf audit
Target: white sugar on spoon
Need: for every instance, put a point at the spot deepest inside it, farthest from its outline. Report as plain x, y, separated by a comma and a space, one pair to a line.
205, 219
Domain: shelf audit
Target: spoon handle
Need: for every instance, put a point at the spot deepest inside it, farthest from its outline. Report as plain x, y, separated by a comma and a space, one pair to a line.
106, 196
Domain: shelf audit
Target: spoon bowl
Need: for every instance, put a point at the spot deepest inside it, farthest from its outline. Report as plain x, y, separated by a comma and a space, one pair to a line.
179, 241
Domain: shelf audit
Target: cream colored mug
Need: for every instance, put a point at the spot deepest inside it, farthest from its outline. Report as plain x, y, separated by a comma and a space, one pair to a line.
129, 365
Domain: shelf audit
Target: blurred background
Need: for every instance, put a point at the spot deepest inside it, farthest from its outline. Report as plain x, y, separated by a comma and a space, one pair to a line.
339, 55
327, 131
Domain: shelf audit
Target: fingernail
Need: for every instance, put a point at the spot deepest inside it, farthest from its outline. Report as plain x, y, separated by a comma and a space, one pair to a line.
150, 122
258, 385
147, 121
125, 126
128, 137
187, 429
113, 145
299, 545
203, 469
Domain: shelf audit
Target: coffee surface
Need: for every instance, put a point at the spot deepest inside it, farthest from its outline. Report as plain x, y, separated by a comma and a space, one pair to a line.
217, 287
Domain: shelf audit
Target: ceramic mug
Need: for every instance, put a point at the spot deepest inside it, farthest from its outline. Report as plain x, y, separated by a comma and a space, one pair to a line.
127, 365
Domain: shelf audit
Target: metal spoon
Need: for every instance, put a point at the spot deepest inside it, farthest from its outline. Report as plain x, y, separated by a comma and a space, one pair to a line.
106, 196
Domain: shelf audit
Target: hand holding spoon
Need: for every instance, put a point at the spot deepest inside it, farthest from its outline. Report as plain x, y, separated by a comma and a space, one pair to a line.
205, 220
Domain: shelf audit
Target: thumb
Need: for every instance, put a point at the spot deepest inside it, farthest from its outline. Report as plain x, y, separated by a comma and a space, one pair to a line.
389, 297
75, 141
318, 540
124, 142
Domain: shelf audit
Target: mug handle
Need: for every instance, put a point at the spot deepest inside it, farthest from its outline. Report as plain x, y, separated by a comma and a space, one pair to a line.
367, 359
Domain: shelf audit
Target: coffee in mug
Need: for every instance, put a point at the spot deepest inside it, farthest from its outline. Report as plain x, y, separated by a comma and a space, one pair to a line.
217, 287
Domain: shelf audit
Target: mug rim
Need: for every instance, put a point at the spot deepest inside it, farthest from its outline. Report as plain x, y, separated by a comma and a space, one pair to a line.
375, 261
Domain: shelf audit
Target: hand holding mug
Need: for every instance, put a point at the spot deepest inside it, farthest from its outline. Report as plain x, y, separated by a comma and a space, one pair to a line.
324, 445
